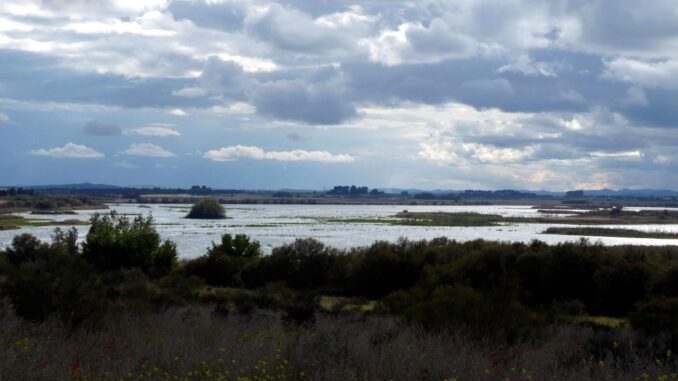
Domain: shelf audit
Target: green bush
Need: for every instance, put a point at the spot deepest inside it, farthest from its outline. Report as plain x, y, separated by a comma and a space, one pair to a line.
656, 315
55, 284
381, 269
222, 263
114, 242
207, 208
27, 248
240, 246
304, 264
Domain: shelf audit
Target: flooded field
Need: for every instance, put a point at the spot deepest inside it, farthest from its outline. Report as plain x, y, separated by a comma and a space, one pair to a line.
274, 225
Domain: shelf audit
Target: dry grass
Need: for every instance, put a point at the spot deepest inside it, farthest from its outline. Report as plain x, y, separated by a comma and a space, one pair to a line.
196, 344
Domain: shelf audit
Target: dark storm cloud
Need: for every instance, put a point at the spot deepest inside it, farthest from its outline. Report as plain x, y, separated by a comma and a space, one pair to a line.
38, 77
98, 128
299, 101
227, 16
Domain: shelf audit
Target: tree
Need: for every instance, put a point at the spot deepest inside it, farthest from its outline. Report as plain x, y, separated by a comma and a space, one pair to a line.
114, 242
207, 208
223, 262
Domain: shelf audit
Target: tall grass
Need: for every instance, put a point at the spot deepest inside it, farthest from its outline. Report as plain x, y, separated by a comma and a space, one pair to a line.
198, 344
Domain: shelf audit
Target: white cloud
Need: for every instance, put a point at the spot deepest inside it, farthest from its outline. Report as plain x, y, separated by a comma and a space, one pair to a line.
146, 149
4, 118
178, 112
456, 153
70, 150
412, 42
623, 155
190, 92
237, 152
490, 154
77, 9
658, 74
525, 65
154, 131
235, 108
440, 152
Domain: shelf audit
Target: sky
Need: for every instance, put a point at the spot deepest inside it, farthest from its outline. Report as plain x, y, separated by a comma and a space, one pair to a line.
306, 94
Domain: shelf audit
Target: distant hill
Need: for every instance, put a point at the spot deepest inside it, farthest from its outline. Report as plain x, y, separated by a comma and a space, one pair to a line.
587, 193
631, 193
80, 186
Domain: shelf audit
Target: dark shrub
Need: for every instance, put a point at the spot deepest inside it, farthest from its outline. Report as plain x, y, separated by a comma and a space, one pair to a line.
485, 316
569, 273
66, 242
299, 314
114, 242
207, 208
619, 287
60, 285
222, 263
667, 284
240, 246
656, 315
304, 264
382, 269
27, 248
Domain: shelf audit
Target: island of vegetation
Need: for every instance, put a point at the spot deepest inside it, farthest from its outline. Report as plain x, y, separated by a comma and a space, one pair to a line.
207, 208
611, 216
121, 305
610, 232
11, 221
15, 200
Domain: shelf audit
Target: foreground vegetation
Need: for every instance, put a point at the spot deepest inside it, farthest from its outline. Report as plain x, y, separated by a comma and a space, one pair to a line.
202, 343
121, 305
610, 232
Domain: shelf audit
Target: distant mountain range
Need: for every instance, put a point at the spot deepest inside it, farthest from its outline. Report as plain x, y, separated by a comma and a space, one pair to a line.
588, 193
632, 193
69, 186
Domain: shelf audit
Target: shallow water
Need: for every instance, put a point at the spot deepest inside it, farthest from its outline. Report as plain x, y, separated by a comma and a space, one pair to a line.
274, 225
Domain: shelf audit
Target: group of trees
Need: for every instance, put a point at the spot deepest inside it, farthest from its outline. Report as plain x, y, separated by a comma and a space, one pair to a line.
345, 190
200, 190
79, 281
493, 289
16, 192
354, 191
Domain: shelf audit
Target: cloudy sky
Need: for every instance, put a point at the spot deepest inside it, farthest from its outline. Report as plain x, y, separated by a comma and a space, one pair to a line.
456, 94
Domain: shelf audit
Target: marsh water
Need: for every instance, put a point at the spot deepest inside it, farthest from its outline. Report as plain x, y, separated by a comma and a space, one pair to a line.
274, 225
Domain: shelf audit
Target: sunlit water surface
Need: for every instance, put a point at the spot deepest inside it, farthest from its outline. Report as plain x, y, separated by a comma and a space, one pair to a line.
274, 225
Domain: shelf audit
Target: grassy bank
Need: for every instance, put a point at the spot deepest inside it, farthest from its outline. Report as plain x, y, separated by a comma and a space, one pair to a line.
19, 221
449, 219
258, 345
598, 217
610, 232
48, 204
